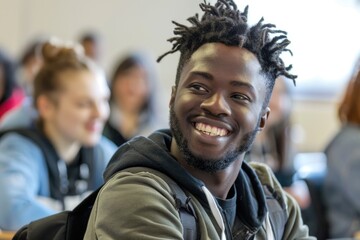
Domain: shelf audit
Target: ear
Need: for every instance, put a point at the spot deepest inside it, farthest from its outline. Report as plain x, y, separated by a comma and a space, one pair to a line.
263, 119
173, 95
45, 106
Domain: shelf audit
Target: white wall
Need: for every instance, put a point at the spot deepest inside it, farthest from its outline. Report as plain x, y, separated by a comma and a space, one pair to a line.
123, 24
315, 123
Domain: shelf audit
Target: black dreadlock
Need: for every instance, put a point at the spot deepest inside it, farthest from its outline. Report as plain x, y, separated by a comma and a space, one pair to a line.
224, 23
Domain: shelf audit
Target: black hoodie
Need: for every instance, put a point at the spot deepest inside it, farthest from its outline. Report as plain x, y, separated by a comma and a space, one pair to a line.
154, 152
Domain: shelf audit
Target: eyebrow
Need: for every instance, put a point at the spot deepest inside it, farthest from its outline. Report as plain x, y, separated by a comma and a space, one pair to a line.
243, 84
205, 75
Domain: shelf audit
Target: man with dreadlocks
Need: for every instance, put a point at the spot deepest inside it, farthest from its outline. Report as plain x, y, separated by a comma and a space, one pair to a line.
224, 80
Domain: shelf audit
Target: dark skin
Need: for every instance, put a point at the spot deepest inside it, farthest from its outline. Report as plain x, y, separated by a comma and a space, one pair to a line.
217, 103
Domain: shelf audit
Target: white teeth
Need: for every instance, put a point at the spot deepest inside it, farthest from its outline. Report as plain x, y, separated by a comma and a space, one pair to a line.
211, 131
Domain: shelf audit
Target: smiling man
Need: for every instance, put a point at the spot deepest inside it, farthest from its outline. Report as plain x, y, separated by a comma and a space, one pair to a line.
224, 80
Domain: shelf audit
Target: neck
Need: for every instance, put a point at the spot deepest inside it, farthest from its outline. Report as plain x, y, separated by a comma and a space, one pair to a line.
129, 123
65, 148
220, 182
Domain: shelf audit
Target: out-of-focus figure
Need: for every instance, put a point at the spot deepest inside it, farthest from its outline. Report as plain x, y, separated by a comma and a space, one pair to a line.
274, 145
53, 165
11, 95
341, 186
134, 103
92, 44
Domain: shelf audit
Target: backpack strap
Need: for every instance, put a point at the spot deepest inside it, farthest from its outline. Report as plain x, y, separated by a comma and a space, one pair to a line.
69, 225
182, 202
93, 158
276, 212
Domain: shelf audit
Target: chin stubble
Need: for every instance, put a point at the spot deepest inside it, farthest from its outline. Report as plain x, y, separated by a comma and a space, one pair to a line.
201, 162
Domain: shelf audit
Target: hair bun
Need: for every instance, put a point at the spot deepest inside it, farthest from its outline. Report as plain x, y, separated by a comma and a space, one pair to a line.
57, 50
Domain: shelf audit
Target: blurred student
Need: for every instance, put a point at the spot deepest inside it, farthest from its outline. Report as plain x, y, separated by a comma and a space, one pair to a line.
29, 65
11, 95
341, 186
135, 110
274, 145
71, 96
92, 44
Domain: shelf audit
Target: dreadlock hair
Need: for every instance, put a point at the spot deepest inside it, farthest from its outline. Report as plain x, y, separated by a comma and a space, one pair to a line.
224, 23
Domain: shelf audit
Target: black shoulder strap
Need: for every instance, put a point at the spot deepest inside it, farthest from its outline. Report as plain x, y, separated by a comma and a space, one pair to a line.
277, 211
93, 158
71, 225
66, 225
78, 218
182, 201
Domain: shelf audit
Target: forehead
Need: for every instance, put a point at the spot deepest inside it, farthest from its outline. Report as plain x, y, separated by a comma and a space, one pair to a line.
225, 63
81, 81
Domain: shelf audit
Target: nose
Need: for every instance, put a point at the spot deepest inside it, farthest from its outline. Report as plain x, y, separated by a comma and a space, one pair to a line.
216, 105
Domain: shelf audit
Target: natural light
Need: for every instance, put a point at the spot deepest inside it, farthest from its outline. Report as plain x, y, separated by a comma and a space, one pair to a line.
325, 39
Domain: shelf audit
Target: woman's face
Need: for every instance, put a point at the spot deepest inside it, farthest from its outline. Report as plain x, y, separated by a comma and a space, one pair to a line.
80, 108
131, 89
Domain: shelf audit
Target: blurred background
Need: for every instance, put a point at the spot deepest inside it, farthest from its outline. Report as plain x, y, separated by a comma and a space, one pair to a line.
325, 43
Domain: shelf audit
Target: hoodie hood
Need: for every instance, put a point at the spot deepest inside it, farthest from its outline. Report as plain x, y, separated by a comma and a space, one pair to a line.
154, 152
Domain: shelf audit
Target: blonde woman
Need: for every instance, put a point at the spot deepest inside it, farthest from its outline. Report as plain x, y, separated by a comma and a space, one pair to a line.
71, 96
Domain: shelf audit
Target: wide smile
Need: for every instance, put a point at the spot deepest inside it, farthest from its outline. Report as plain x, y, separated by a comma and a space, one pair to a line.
211, 130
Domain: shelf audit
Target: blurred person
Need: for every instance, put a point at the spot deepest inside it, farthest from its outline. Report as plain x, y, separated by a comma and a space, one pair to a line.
134, 103
29, 64
341, 187
219, 101
11, 95
71, 95
92, 44
274, 145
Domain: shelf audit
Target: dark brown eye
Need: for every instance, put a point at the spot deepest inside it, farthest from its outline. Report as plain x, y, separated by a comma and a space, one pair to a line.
240, 97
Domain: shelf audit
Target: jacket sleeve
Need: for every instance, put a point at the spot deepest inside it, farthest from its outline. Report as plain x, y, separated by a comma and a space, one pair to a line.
294, 227
134, 206
22, 178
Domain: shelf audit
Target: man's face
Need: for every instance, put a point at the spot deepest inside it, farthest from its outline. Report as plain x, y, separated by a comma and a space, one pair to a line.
216, 109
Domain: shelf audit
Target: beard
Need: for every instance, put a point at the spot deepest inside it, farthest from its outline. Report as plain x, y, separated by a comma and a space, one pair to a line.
201, 162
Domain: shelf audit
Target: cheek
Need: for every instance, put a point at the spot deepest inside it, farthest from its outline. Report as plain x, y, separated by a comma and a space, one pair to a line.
74, 116
247, 119
118, 90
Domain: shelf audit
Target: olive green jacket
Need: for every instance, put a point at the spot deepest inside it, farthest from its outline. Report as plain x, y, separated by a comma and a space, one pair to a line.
141, 205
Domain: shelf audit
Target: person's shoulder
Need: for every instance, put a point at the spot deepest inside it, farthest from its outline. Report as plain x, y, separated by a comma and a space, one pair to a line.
106, 147
15, 144
15, 137
267, 177
23, 116
264, 172
347, 138
350, 131
105, 142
